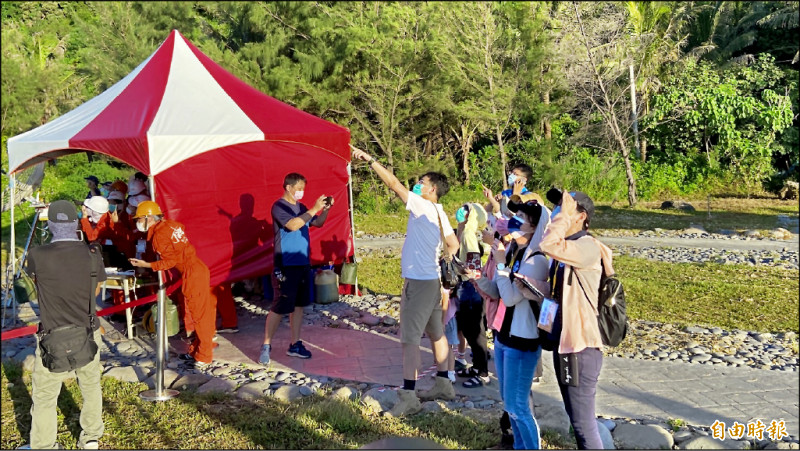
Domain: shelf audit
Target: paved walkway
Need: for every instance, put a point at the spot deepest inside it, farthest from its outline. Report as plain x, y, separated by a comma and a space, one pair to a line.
697, 394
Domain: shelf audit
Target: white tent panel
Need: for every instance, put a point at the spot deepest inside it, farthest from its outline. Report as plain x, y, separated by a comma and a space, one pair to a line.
196, 115
56, 134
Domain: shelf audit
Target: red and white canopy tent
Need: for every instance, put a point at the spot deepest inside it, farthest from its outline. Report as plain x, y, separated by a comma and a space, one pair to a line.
216, 151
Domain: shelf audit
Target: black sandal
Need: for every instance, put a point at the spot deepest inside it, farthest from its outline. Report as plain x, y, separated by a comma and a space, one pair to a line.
467, 372
476, 381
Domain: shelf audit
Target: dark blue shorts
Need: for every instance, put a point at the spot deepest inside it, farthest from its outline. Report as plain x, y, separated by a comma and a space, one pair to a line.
293, 291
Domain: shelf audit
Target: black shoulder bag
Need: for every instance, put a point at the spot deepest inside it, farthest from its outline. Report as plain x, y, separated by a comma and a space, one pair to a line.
447, 264
71, 347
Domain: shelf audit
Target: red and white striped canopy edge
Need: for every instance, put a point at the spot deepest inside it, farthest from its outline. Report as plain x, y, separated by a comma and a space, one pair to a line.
169, 109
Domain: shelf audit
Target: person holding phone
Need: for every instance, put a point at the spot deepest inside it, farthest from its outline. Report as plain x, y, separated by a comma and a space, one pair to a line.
517, 350
291, 220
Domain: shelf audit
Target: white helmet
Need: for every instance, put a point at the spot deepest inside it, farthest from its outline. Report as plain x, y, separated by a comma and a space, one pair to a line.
98, 204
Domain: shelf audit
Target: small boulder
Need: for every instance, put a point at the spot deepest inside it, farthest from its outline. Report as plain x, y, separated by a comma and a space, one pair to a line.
380, 399
253, 390
605, 435
553, 417
217, 385
370, 320
647, 436
287, 393
190, 380
345, 393
712, 443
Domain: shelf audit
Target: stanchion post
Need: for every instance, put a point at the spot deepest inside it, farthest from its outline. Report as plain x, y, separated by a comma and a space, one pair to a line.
160, 393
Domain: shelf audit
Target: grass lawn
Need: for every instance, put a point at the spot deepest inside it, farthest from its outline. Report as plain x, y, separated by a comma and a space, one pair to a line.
708, 294
726, 213
222, 421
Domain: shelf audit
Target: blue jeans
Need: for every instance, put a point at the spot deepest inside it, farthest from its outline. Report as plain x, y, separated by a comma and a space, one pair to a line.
515, 370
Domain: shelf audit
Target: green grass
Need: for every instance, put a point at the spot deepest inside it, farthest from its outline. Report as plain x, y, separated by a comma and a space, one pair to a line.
222, 421
709, 294
726, 213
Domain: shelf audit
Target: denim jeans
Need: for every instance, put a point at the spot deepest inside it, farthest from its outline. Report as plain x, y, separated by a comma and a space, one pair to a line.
579, 401
515, 373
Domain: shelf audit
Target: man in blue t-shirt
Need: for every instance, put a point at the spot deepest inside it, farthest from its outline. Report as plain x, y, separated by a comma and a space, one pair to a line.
290, 221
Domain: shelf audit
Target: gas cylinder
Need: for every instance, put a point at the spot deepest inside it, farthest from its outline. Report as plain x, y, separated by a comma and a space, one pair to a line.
170, 314
326, 285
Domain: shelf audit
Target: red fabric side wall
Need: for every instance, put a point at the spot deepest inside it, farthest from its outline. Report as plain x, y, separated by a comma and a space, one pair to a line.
224, 198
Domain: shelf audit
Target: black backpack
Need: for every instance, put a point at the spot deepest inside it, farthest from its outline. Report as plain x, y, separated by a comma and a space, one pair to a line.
612, 315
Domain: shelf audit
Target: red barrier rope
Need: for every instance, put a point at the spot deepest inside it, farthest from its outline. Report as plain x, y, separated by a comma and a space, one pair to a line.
30, 330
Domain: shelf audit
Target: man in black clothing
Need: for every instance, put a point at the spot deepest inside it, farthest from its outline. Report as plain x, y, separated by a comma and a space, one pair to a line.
62, 271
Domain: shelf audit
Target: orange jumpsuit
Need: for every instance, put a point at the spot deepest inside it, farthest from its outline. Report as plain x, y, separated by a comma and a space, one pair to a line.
169, 240
225, 305
97, 232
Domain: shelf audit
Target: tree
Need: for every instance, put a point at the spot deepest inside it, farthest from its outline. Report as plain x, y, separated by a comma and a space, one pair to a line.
484, 56
599, 77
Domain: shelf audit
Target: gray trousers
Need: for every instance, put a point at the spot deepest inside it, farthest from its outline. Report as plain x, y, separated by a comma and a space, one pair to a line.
47, 386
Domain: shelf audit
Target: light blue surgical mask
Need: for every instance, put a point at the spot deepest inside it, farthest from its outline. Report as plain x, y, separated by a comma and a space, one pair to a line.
461, 214
112, 207
511, 179
417, 189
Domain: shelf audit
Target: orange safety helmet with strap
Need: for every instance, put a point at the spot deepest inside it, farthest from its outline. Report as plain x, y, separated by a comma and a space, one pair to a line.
147, 208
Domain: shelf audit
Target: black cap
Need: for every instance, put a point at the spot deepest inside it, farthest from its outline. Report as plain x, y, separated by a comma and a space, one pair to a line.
585, 203
62, 212
93, 178
532, 209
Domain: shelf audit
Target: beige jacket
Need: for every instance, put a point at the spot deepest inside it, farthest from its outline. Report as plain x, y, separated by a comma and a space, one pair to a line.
580, 330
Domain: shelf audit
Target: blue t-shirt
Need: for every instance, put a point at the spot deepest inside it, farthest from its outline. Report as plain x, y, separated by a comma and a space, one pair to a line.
508, 192
291, 248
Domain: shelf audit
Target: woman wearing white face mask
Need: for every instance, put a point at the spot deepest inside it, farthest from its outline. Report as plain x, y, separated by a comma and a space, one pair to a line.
95, 220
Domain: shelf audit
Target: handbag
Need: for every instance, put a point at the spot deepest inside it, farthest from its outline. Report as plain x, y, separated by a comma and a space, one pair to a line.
70, 347
447, 264
349, 273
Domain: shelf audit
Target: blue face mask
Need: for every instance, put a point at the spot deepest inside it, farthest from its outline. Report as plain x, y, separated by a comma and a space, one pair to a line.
555, 211
461, 214
112, 207
511, 179
417, 189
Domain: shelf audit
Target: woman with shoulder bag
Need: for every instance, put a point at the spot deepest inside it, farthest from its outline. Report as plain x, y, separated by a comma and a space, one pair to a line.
575, 279
517, 348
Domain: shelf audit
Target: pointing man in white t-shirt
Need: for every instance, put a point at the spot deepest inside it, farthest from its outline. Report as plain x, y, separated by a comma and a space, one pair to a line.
421, 307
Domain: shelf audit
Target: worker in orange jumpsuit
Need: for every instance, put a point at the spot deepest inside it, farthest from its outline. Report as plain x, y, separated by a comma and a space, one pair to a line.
169, 240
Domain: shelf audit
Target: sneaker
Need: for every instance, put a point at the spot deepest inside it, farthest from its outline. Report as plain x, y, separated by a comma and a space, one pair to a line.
186, 357
407, 404
216, 337
461, 364
263, 358
442, 389
228, 330
298, 350
452, 376
198, 365
537, 380
91, 444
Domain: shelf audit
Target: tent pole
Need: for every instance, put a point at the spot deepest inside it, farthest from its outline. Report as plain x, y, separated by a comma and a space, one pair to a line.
352, 222
159, 393
10, 294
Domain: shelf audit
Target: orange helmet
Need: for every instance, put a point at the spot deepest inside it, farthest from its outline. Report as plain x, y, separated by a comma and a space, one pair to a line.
147, 208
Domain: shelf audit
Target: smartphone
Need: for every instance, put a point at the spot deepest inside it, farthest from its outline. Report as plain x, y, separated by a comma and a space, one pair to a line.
473, 261
328, 200
529, 286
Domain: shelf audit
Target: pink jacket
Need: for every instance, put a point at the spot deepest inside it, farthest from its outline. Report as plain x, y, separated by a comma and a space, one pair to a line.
584, 254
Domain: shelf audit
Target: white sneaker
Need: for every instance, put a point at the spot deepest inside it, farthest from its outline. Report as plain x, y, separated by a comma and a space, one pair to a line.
91, 444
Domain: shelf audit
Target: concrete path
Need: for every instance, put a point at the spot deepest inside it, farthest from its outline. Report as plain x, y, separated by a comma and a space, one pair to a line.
698, 394
704, 243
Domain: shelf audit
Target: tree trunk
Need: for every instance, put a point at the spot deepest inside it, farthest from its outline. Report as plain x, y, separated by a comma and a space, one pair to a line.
502, 155
643, 148
466, 145
547, 128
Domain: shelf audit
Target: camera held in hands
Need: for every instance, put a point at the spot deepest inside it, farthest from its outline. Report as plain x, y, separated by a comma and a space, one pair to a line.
328, 200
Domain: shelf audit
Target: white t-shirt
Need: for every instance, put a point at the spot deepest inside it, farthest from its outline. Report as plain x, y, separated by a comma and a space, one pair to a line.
422, 247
